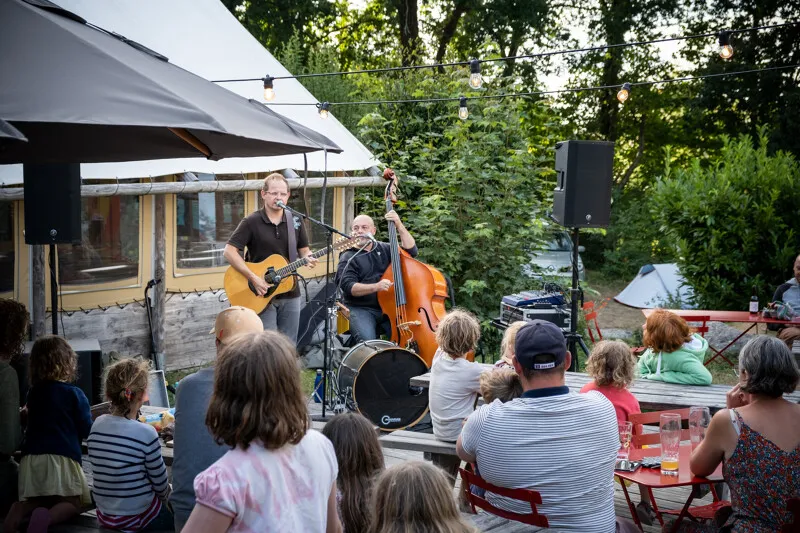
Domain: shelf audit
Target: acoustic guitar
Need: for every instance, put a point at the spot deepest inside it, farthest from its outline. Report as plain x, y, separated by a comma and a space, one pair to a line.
277, 272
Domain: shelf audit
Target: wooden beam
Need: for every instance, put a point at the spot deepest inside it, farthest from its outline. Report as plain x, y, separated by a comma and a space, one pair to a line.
38, 301
144, 189
159, 292
349, 207
191, 140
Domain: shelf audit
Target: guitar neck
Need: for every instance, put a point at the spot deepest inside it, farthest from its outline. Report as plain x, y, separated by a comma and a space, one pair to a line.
294, 265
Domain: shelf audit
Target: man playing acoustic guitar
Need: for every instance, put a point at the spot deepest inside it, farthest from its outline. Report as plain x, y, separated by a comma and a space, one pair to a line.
360, 280
266, 232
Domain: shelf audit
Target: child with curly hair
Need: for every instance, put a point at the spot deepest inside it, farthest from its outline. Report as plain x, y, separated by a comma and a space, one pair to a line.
52, 485
130, 480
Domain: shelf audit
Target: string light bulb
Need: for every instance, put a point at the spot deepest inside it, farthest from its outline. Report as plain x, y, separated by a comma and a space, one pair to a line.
269, 92
463, 112
324, 109
725, 48
475, 78
624, 93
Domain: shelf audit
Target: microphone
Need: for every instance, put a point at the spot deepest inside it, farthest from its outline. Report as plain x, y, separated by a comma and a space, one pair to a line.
370, 237
282, 205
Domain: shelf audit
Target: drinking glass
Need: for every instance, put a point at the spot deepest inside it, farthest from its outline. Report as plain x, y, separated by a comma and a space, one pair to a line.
670, 432
625, 431
699, 419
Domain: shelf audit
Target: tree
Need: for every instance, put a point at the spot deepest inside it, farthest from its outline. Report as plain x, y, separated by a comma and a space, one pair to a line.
734, 220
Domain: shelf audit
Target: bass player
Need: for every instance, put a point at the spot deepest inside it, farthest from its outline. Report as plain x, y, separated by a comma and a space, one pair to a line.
268, 231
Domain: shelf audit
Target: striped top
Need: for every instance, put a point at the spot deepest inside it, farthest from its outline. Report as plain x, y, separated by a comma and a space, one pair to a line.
127, 466
556, 442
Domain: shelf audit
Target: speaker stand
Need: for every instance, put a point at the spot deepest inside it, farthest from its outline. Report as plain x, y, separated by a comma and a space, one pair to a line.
574, 339
53, 288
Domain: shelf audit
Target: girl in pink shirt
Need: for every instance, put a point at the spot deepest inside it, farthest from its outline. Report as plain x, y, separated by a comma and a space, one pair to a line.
278, 476
613, 367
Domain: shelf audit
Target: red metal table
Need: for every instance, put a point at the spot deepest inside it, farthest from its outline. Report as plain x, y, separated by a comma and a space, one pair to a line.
652, 479
741, 317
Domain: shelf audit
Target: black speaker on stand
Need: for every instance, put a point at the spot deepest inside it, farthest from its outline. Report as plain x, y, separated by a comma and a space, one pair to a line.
581, 199
52, 214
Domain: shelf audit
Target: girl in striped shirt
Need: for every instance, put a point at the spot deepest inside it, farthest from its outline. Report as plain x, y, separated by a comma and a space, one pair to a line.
130, 479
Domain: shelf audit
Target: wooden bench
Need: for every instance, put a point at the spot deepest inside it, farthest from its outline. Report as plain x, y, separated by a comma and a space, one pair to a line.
417, 442
495, 524
652, 395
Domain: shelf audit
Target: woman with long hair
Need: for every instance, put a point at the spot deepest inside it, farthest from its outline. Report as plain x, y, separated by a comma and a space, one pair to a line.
360, 459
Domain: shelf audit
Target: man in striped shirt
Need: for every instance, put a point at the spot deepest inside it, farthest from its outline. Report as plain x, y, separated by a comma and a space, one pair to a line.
559, 443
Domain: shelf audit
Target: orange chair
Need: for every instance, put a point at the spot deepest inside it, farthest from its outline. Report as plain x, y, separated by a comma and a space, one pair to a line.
470, 479
640, 439
590, 314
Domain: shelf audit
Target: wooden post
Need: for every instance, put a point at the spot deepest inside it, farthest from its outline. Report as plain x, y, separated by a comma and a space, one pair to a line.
38, 302
159, 292
349, 207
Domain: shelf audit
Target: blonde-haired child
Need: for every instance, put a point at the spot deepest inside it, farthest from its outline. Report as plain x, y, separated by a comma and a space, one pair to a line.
130, 480
501, 384
507, 345
415, 496
613, 369
51, 481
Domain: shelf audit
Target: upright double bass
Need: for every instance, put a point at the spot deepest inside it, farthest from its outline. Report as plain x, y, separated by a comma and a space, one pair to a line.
416, 305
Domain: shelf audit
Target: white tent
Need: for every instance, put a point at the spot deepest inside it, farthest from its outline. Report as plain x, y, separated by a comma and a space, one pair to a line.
657, 286
203, 37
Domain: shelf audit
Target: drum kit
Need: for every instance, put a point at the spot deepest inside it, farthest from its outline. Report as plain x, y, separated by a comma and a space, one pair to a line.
373, 379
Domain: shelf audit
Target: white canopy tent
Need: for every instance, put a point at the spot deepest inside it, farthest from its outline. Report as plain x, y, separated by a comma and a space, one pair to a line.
657, 286
202, 36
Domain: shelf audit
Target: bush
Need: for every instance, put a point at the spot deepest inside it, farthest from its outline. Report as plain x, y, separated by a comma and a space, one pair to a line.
734, 222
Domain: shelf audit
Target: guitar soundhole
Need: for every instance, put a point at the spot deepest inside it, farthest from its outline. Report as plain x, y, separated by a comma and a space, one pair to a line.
270, 277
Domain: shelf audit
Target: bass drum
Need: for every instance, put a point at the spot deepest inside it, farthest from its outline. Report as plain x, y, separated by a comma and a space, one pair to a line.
374, 378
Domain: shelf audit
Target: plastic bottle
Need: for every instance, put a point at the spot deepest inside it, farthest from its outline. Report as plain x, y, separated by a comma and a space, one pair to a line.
754, 303
318, 387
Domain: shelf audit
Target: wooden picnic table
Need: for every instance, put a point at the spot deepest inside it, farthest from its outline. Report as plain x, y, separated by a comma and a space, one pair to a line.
652, 395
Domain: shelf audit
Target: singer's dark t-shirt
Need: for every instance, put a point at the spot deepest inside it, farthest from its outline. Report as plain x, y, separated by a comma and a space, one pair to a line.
263, 238
366, 267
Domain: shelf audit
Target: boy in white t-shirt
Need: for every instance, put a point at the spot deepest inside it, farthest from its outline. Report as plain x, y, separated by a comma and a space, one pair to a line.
455, 382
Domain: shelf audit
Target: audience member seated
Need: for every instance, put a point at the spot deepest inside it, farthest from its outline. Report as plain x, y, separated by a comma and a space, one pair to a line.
454, 380
789, 293
612, 367
360, 459
14, 323
415, 497
561, 444
130, 485
501, 384
673, 354
195, 448
507, 345
52, 486
757, 439
279, 476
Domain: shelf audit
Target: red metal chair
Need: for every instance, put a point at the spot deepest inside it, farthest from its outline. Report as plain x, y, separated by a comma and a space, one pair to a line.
590, 314
640, 439
470, 479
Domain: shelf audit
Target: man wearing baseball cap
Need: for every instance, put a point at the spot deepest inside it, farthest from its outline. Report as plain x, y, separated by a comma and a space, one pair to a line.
559, 443
195, 449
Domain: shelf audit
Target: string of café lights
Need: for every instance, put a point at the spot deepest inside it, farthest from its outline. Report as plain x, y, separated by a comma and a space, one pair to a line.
476, 80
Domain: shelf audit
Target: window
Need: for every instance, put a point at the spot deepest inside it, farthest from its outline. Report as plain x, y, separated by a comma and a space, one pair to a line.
109, 249
317, 236
6, 246
205, 222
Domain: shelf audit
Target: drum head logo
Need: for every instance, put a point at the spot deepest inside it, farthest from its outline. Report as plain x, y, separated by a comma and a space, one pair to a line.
386, 420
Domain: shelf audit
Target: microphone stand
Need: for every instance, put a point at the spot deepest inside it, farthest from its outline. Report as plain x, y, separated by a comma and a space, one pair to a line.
329, 303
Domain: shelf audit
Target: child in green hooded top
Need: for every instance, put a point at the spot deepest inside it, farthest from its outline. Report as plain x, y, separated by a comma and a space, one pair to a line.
673, 355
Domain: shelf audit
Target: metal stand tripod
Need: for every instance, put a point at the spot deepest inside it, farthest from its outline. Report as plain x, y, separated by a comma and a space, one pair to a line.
574, 338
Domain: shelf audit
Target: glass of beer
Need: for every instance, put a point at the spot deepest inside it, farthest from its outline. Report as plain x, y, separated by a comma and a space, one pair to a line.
625, 431
670, 432
699, 419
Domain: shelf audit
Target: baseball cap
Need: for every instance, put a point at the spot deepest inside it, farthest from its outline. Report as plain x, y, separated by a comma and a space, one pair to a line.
540, 345
236, 320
